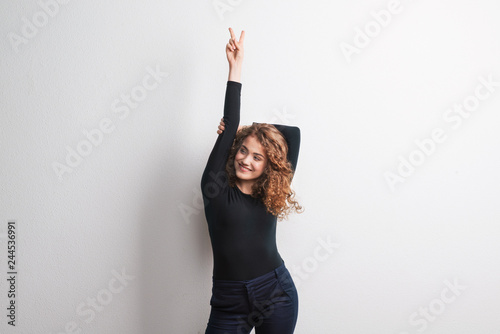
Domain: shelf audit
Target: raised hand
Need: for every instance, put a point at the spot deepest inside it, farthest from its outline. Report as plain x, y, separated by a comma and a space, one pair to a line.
234, 49
222, 126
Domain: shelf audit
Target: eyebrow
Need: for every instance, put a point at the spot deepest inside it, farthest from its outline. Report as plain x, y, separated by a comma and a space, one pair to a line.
246, 148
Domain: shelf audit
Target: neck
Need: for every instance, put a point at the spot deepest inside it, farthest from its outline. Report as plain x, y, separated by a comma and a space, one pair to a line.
245, 186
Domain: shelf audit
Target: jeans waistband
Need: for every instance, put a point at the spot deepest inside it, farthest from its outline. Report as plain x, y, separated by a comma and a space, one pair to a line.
254, 281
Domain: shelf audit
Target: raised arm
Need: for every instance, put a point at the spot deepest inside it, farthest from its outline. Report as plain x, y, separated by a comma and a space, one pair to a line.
215, 166
292, 136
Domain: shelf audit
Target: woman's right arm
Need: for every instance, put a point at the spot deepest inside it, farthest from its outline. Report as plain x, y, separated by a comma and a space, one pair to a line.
215, 166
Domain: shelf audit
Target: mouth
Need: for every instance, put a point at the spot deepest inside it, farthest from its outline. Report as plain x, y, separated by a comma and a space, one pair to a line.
243, 169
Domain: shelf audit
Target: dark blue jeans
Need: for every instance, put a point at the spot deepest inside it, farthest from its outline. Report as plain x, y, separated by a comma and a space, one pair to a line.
269, 303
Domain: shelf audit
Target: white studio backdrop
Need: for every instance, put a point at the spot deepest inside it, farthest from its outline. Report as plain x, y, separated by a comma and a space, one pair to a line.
109, 110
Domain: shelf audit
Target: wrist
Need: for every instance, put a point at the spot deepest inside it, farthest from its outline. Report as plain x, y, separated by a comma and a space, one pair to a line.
235, 72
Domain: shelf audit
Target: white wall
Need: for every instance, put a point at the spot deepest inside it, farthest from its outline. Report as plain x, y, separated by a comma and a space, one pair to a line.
132, 205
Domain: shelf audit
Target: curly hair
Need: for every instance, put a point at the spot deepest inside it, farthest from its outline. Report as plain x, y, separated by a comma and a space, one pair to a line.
273, 186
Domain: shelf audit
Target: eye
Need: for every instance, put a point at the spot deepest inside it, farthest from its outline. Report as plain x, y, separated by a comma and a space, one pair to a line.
256, 158
242, 150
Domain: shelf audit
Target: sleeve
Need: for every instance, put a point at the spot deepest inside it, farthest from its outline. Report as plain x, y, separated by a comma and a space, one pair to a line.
292, 136
215, 167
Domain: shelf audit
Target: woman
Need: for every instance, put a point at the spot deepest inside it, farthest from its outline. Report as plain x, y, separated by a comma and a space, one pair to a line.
246, 189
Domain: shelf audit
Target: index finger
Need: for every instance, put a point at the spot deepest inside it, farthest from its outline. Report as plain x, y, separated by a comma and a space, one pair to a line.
242, 36
232, 33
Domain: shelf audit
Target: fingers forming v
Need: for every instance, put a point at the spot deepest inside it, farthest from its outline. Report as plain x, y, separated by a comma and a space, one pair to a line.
236, 44
242, 37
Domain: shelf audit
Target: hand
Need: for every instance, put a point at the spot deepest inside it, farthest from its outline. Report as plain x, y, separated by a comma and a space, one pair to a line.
222, 126
234, 49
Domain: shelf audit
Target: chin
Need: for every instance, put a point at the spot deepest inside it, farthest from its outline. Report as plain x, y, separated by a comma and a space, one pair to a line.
244, 175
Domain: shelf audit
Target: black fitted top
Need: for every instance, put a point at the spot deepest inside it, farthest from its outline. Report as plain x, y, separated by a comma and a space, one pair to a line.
242, 232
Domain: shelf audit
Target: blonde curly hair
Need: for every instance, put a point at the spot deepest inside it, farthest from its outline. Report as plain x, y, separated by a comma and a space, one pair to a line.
273, 186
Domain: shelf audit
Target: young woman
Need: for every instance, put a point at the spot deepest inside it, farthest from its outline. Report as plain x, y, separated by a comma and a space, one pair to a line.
246, 189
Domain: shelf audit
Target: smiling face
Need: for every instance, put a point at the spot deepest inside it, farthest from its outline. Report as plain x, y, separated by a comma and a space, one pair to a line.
250, 160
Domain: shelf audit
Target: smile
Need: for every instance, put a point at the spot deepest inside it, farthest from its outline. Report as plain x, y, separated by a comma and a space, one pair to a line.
244, 169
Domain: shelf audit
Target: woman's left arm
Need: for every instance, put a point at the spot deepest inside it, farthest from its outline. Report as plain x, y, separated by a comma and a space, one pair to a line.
292, 136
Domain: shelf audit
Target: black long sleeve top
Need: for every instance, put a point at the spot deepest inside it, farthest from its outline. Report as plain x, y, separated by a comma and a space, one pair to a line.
242, 232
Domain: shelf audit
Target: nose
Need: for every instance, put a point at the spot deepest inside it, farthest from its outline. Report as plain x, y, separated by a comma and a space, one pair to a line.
247, 161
